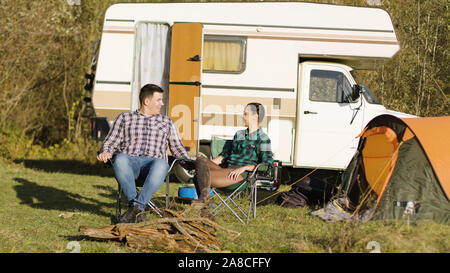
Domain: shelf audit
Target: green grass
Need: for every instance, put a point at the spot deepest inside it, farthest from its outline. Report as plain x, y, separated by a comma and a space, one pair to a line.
35, 193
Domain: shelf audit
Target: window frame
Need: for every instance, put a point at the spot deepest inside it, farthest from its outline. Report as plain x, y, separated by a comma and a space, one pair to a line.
342, 98
225, 38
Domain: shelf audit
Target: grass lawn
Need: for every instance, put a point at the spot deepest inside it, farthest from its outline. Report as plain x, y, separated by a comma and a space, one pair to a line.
36, 194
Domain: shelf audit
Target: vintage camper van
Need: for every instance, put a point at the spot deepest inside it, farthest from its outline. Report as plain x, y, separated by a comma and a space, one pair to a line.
214, 58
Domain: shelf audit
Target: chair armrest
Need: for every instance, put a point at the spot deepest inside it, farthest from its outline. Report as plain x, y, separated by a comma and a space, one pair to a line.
268, 174
266, 171
185, 163
183, 159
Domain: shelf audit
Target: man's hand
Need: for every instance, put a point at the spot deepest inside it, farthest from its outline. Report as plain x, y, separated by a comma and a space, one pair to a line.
187, 165
104, 157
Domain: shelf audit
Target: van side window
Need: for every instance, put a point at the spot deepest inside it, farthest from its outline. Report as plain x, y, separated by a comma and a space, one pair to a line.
329, 86
224, 54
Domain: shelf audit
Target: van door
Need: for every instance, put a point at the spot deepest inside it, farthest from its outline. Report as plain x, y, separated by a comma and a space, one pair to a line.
328, 122
184, 81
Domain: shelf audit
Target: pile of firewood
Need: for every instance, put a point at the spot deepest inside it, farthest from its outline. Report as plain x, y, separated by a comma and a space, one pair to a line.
168, 234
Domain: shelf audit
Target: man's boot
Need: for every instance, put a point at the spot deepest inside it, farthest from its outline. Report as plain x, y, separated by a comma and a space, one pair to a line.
141, 216
202, 182
132, 215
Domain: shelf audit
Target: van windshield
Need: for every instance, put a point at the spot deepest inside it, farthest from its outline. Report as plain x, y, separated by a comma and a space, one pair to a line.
359, 75
370, 98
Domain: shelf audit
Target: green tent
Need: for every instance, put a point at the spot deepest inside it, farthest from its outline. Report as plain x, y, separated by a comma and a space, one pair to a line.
401, 170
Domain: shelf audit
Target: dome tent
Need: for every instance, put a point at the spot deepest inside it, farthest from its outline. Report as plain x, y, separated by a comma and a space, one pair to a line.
401, 168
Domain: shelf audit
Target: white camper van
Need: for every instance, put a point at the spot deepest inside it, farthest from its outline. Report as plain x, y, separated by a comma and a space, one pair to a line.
214, 58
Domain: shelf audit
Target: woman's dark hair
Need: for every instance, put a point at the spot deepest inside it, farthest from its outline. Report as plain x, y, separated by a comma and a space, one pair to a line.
148, 90
257, 108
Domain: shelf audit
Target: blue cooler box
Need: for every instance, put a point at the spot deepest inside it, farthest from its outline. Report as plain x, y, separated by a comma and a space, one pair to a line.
188, 192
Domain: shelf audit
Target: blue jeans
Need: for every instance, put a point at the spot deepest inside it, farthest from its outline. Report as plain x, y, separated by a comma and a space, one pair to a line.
129, 168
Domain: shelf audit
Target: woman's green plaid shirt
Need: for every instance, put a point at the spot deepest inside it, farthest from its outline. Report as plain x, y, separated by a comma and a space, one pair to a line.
248, 149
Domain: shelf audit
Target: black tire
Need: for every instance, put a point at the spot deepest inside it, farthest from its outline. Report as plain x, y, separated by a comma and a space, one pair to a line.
183, 175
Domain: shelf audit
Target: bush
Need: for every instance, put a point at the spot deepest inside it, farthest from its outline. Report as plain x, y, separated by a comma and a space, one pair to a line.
17, 146
45, 51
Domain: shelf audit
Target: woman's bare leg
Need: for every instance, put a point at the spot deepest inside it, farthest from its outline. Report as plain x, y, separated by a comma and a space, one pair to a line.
220, 179
211, 164
219, 176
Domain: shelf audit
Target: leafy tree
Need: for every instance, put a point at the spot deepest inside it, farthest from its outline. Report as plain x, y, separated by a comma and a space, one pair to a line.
45, 51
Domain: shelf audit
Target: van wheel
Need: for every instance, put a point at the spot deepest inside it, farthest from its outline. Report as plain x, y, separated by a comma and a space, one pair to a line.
185, 176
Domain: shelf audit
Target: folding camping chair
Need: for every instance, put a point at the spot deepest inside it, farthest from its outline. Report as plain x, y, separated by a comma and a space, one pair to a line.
264, 176
139, 183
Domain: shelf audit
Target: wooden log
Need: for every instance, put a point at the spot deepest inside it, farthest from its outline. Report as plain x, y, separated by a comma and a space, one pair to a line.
177, 234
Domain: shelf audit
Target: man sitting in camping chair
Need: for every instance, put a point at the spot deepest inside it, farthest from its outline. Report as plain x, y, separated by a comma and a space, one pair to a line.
143, 137
248, 148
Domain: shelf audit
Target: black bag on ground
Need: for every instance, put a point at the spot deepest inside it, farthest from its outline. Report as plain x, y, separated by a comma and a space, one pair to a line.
307, 191
292, 198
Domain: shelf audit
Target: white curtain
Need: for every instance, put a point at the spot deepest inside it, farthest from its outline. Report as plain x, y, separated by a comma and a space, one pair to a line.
152, 55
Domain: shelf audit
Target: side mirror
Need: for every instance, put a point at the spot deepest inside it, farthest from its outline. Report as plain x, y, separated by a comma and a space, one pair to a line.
356, 90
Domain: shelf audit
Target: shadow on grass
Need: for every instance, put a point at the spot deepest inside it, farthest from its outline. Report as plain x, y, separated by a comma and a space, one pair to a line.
49, 198
67, 166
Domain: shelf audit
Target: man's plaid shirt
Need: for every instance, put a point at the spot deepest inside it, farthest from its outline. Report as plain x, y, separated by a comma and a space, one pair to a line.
248, 149
135, 134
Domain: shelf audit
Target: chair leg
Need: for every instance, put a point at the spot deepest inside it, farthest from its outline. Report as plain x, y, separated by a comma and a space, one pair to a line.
251, 205
167, 182
155, 209
219, 207
254, 201
224, 202
237, 206
167, 191
118, 205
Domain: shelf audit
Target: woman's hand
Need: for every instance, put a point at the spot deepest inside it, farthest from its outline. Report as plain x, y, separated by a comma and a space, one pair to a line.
234, 174
217, 160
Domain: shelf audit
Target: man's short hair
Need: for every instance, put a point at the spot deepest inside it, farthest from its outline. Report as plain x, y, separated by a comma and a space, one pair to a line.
148, 90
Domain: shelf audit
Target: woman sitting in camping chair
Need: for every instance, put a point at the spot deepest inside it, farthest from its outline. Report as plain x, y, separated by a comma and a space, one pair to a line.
248, 148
